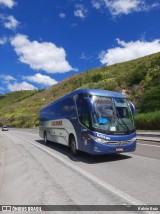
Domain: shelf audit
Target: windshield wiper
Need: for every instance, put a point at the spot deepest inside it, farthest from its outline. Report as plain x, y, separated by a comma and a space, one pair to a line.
123, 122
119, 117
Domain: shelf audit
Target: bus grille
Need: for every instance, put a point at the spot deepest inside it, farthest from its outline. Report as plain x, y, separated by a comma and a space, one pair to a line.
118, 142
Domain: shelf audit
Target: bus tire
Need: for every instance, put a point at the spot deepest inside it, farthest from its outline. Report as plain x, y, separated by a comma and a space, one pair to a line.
45, 138
72, 145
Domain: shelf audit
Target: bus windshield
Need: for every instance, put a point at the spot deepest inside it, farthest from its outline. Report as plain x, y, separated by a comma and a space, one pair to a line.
111, 115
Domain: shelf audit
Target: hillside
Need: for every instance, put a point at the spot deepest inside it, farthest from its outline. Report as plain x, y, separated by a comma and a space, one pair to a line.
139, 79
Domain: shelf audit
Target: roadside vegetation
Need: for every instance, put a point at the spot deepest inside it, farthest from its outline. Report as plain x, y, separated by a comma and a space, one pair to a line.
148, 120
139, 79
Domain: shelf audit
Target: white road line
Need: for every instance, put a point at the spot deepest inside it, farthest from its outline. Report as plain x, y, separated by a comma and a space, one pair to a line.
93, 178
148, 145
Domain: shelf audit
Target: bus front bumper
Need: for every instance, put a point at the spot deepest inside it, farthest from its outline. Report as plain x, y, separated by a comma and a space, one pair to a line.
99, 148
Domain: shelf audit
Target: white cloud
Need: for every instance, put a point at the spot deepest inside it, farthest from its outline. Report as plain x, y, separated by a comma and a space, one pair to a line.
15, 86
83, 56
21, 86
128, 51
41, 79
9, 22
46, 55
1, 89
96, 4
7, 78
62, 15
80, 11
119, 7
7, 3
3, 40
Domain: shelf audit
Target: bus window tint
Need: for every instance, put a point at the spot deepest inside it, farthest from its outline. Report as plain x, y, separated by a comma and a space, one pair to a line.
83, 111
85, 114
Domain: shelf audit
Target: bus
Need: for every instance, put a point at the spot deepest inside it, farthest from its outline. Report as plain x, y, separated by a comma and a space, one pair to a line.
90, 120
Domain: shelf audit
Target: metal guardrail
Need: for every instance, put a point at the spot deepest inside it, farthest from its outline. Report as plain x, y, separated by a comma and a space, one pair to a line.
32, 130
149, 136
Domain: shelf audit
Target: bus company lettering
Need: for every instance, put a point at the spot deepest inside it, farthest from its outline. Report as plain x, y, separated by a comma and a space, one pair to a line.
103, 136
57, 123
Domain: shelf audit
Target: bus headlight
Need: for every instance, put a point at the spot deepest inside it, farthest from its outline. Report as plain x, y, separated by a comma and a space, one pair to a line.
98, 140
133, 139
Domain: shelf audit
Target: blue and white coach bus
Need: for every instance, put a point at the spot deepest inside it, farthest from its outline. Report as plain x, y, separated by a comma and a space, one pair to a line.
90, 120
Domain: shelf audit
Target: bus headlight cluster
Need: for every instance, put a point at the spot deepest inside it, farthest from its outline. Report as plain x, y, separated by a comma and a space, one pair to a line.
98, 140
133, 139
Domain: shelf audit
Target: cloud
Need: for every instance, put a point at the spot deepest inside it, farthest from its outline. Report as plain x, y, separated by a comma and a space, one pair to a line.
80, 11
41, 79
9, 22
128, 51
3, 40
62, 15
97, 4
15, 86
83, 56
7, 78
7, 3
119, 7
1, 89
45, 55
21, 86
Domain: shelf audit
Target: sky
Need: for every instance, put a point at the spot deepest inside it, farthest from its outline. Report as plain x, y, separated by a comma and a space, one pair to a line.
42, 42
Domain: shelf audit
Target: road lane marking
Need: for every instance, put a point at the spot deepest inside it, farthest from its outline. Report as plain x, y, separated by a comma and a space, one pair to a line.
148, 145
91, 177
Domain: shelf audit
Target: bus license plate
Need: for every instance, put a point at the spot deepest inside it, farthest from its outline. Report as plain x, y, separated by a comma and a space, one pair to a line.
119, 149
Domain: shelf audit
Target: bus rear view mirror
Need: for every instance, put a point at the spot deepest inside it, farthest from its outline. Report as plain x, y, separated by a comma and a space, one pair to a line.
133, 109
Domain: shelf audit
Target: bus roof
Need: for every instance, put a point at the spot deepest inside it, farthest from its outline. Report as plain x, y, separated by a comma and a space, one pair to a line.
98, 92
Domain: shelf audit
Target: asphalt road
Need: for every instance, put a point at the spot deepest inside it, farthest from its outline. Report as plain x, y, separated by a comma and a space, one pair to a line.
32, 173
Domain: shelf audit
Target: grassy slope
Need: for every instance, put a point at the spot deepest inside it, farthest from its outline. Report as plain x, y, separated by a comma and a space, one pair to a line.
137, 77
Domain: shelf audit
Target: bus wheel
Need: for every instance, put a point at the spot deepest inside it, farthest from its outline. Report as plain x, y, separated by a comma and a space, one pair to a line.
45, 138
73, 146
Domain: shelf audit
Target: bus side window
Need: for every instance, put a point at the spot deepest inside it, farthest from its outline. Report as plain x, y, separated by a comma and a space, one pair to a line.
85, 114
83, 111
